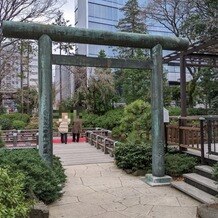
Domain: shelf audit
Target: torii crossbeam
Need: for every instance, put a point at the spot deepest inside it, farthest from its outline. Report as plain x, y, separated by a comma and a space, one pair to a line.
45, 34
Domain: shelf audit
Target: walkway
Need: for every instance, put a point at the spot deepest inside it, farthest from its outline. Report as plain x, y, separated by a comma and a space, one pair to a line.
101, 190
80, 153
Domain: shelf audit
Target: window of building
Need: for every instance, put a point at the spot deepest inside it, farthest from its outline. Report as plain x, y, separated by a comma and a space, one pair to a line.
101, 26
103, 12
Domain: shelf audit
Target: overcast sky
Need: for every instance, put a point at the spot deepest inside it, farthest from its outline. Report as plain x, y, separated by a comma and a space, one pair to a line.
68, 10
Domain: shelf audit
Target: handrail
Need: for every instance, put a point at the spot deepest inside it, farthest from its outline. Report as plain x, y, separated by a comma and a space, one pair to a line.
101, 141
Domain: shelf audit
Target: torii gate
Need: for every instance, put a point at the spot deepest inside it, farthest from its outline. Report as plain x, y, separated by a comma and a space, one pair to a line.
45, 34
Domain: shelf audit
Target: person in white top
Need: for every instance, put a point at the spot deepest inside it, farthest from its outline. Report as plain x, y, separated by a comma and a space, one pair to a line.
63, 127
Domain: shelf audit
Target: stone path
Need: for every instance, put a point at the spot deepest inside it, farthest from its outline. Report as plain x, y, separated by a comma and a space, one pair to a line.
102, 190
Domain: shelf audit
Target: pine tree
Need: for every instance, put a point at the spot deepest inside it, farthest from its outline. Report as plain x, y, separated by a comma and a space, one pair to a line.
132, 22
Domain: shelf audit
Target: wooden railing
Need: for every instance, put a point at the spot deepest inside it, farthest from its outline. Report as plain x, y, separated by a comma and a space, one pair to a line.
193, 133
101, 140
20, 137
26, 138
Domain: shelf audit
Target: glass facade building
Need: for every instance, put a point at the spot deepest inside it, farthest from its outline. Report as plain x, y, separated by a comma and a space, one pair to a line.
104, 15
100, 15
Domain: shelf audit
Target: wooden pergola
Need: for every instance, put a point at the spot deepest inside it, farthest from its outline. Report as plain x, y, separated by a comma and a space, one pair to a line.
203, 53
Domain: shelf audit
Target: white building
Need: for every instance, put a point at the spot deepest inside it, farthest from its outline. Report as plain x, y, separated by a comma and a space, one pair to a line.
15, 63
64, 81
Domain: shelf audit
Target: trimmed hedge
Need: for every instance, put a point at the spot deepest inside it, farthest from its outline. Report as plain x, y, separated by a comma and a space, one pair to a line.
178, 164
46, 183
133, 156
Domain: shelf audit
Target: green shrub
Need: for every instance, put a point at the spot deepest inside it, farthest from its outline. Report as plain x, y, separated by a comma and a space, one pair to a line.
6, 123
89, 120
46, 183
133, 156
174, 111
18, 116
33, 124
136, 122
215, 172
18, 124
2, 143
6, 120
178, 164
196, 111
108, 121
12, 197
3, 110
111, 119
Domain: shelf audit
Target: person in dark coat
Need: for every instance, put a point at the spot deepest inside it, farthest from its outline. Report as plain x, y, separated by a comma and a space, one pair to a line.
77, 129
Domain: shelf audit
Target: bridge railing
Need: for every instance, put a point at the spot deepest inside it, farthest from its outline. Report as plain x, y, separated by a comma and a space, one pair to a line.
194, 132
101, 139
20, 137
24, 138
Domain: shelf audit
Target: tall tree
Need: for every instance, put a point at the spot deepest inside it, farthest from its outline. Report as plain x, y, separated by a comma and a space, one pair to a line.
61, 46
208, 86
98, 95
202, 20
193, 19
24, 11
132, 84
189, 18
170, 13
132, 22
26, 100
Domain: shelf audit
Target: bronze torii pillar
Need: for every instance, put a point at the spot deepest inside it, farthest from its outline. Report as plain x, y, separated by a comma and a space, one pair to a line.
47, 33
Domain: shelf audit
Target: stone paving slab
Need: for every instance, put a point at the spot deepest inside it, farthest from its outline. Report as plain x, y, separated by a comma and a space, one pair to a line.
104, 191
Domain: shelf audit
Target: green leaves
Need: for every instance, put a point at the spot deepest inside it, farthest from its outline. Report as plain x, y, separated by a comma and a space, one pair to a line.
215, 172
46, 183
178, 164
136, 122
12, 196
133, 156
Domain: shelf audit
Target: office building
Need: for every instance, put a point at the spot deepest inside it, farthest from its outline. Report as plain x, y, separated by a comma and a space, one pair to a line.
27, 63
104, 15
100, 15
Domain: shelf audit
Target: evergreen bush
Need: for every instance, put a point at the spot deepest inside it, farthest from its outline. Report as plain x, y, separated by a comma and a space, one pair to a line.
135, 123
215, 172
13, 202
45, 182
178, 164
197, 111
133, 156
6, 120
2, 143
18, 124
174, 111
6, 123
